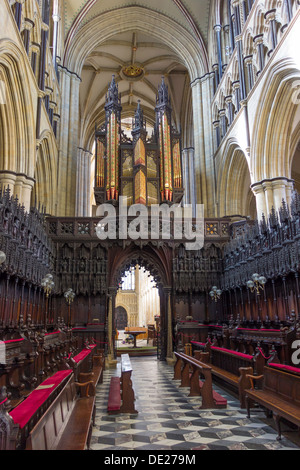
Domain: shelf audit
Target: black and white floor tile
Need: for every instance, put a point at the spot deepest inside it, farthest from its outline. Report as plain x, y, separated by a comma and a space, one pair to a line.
168, 419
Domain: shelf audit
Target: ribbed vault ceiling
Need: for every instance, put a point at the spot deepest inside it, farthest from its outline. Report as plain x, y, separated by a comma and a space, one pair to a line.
137, 60
191, 14
138, 64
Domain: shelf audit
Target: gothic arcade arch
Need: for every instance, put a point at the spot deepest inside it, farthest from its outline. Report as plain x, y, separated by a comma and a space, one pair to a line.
101, 28
270, 152
234, 194
44, 190
158, 261
17, 123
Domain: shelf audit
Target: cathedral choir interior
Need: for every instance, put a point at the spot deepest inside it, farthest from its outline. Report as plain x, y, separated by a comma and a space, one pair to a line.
149, 227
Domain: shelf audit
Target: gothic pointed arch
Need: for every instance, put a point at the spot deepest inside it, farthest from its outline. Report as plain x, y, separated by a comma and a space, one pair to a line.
44, 191
156, 261
233, 182
186, 47
271, 132
17, 149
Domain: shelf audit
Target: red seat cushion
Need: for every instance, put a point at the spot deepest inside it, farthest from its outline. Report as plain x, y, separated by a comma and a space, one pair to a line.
23, 412
114, 398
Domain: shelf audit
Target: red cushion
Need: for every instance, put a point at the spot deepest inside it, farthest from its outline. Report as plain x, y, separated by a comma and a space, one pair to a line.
285, 367
218, 399
114, 398
23, 412
245, 356
13, 340
257, 329
84, 353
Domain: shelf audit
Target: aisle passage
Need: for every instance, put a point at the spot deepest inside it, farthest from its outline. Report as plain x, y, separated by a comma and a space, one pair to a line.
169, 420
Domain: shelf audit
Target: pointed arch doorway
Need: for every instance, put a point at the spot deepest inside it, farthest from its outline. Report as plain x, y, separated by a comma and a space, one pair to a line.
156, 263
121, 318
138, 296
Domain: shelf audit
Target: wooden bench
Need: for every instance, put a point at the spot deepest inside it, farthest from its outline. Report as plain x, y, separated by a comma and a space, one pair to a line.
94, 377
188, 370
62, 412
82, 362
66, 424
232, 368
78, 431
121, 394
19, 421
280, 393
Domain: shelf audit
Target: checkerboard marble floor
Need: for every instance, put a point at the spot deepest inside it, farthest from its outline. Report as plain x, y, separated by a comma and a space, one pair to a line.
170, 420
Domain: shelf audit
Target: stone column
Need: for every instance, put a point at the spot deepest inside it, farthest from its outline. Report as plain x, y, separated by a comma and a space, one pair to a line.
270, 19
28, 25
170, 353
290, 188
83, 188
42, 68
215, 68
259, 193
269, 199
227, 50
279, 192
206, 100
63, 138
8, 179
223, 124
239, 46
228, 101
79, 189
56, 19
236, 88
218, 29
289, 9
112, 362
189, 176
200, 166
20, 186
258, 44
248, 61
244, 106
67, 165
216, 125
18, 12
34, 53
28, 185
270, 193
231, 26
237, 17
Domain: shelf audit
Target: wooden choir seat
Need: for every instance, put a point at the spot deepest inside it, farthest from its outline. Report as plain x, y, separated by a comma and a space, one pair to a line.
82, 362
188, 370
280, 393
57, 415
231, 367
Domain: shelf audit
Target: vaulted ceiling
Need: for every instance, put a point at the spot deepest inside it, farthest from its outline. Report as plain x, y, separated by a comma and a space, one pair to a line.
137, 60
191, 14
138, 63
